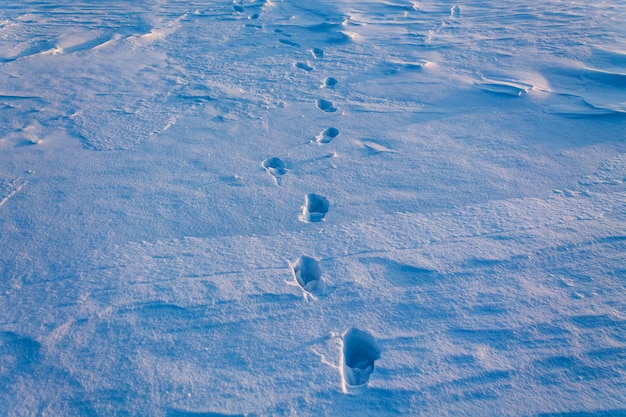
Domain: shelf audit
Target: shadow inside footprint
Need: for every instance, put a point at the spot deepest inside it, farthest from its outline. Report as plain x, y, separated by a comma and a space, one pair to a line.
327, 135
303, 66
314, 209
317, 53
326, 106
360, 351
330, 82
275, 167
308, 274
288, 42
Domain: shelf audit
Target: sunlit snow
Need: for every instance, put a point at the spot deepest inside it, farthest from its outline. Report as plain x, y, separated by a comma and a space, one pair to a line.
312, 208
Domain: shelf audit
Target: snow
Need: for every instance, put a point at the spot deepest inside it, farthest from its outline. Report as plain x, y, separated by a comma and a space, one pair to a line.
312, 208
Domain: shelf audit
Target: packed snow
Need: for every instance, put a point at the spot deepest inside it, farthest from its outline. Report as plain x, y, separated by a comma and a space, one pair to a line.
312, 208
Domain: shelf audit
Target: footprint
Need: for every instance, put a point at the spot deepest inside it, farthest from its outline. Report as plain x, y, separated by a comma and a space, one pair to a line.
326, 106
275, 167
330, 82
317, 53
327, 135
303, 66
288, 42
308, 274
360, 351
238, 8
314, 209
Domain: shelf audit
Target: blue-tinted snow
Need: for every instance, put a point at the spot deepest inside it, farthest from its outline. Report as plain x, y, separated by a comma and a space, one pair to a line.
465, 244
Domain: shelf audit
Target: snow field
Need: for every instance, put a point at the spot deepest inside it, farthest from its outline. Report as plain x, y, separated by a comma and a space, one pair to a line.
312, 208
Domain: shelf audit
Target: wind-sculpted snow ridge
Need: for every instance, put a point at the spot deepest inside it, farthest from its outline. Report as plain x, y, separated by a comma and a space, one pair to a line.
119, 105
36, 29
312, 208
116, 104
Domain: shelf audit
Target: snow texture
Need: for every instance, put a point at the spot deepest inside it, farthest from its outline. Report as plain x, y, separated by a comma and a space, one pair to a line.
312, 208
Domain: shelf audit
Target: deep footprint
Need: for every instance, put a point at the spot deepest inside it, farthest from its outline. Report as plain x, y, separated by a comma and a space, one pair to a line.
330, 82
326, 106
303, 66
308, 274
317, 53
288, 42
314, 209
360, 351
327, 135
275, 167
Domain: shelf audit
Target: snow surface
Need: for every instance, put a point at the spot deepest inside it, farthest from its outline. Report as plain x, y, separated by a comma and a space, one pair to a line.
312, 208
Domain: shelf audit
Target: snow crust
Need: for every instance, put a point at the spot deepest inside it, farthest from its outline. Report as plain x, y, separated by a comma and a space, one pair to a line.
312, 208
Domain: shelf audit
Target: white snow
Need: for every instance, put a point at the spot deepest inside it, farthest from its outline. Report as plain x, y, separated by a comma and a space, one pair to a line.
312, 208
